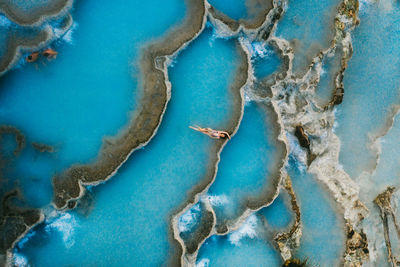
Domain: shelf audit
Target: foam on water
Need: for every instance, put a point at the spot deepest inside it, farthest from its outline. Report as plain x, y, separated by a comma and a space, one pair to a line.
68, 35
248, 229
244, 247
189, 218
65, 224
217, 200
203, 263
19, 260
4, 21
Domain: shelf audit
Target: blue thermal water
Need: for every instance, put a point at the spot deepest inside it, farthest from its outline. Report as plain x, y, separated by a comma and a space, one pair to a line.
88, 91
236, 9
130, 217
330, 67
8, 145
388, 170
371, 84
310, 25
244, 247
279, 214
247, 162
323, 240
266, 62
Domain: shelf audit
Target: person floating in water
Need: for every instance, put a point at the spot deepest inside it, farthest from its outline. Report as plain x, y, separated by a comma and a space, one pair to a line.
216, 134
32, 57
50, 53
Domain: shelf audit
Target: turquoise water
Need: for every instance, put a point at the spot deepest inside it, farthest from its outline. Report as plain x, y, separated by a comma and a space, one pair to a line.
247, 162
266, 62
323, 236
88, 92
330, 67
388, 169
371, 84
236, 9
130, 217
244, 247
309, 24
279, 214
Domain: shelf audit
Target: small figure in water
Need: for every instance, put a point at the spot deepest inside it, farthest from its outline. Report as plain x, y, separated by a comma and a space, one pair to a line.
32, 57
50, 53
211, 133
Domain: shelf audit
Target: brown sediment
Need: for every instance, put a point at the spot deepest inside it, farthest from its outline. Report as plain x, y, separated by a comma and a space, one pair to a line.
356, 245
236, 89
260, 10
296, 263
19, 137
231, 23
338, 92
14, 222
334, 72
37, 39
265, 32
202, 232
304, 142
383, 201
145, 120
347, 8
290, 240
14, 42
85, 204
260, 16
42, 148
302, 137
34, 16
